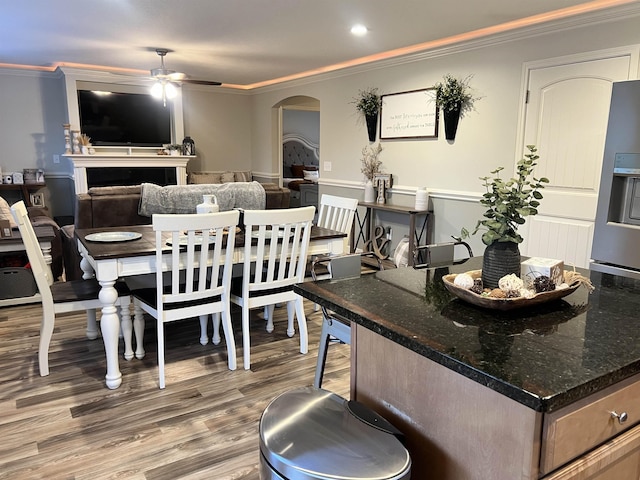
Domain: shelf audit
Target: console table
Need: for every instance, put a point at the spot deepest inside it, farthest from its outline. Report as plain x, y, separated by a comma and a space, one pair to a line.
366, 225
45, 234
24, 188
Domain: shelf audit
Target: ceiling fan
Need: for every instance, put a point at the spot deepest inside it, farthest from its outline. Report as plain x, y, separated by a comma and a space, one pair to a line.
166, 80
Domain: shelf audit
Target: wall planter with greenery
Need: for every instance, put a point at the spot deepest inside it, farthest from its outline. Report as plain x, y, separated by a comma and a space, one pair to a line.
454, 97
368, 103
508, 203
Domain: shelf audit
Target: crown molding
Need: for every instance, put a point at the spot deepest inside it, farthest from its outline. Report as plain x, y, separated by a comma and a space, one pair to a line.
554, 26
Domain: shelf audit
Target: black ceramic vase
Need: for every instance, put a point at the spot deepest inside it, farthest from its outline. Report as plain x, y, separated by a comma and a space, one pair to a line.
500, 259
372, 126
451, 119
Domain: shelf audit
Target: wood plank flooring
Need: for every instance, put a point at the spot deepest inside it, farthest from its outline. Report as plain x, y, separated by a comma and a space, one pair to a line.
69, 425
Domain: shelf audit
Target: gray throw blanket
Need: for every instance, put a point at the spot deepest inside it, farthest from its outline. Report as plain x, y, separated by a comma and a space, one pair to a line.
185, 198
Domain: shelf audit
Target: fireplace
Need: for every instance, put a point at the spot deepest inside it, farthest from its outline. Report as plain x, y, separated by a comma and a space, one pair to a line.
107, 177
106, 169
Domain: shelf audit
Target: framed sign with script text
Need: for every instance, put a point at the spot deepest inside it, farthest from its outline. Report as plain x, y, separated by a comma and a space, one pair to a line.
409, 115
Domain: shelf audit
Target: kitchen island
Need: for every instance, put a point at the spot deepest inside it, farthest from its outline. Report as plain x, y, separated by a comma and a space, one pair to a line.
484, 394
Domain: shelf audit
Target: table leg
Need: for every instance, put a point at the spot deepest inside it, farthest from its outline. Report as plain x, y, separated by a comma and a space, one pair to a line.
87, 269
138, 328
412, 238
127, 331
110, 327
92, 324
370, 223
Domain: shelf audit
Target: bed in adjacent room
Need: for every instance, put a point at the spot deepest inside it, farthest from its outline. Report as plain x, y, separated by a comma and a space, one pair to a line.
300, 169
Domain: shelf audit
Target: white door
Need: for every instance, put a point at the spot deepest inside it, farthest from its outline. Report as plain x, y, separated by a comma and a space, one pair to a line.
566, 118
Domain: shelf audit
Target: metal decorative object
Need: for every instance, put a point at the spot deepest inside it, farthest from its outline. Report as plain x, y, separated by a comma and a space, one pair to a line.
188, 146
382, 181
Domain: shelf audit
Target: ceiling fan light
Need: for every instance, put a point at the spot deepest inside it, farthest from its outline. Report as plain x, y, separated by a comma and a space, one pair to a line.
170, 90
156, 90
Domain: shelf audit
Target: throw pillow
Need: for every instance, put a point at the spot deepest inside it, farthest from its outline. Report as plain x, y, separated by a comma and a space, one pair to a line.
297, 171
311, 167
205, 177
244, 176
312, 175
5, 213
228, 177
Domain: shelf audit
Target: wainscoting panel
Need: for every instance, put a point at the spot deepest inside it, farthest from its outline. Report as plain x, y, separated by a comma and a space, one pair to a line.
559, 238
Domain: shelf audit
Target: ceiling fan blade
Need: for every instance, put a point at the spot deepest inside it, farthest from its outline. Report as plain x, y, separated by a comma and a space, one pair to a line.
178, 76
165, 75
201, 82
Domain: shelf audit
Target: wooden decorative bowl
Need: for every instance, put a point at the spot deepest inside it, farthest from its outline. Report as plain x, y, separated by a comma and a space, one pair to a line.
503, 303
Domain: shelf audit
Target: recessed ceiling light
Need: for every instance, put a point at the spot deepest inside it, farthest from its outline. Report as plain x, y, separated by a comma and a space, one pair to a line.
359, 30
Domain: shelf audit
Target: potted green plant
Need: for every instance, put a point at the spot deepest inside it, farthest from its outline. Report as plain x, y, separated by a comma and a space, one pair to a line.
174, 148
508, 204
455, 98
368, 103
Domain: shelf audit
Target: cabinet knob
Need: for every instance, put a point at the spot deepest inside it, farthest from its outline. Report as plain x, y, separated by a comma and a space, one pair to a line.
622, 417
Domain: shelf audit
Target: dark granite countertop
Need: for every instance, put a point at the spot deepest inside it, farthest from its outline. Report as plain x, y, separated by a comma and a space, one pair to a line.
544, 357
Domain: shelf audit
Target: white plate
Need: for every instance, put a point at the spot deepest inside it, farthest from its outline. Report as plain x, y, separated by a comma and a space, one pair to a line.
112, 236
256, 234
184, 240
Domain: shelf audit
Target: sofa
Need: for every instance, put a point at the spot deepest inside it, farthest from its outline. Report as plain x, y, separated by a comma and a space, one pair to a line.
123, 205
276, 196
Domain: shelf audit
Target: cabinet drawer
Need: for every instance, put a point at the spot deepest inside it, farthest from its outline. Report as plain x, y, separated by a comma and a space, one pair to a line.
577, 428
617, 459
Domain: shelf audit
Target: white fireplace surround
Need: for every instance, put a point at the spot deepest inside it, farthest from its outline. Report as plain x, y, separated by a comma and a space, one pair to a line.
114, 157
115, 160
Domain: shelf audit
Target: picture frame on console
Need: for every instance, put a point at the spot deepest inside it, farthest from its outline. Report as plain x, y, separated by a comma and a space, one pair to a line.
36, 199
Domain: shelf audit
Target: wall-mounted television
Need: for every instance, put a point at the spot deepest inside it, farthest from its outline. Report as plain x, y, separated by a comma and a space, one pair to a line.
124, 119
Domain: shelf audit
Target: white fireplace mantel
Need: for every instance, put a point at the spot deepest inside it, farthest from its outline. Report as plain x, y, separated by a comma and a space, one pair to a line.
120, 160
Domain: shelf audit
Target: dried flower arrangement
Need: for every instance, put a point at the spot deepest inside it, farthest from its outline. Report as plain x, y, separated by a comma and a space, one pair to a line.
84, 140
370, 162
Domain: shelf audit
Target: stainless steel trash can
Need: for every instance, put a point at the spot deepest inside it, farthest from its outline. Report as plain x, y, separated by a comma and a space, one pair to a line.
311, 434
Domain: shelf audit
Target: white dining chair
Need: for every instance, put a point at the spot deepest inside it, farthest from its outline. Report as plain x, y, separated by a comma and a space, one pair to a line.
274, 260
200, 266
337, 213
63, 297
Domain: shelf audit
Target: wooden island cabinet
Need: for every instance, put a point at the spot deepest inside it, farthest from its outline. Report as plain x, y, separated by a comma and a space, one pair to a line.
552, 392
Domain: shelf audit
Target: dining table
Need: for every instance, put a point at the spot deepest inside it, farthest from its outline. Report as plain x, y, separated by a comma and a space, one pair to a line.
111, 254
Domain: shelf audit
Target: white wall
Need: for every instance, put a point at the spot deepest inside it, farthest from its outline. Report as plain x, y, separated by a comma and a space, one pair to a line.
486, 138
237, 130
302, 122
30, 126
219, 122
32, 111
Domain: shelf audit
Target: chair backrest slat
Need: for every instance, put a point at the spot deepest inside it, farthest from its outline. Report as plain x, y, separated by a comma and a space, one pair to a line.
276, 243
337, 213
202, 245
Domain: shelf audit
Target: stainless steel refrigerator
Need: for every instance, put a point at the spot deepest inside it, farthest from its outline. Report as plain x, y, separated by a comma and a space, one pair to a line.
616, 241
